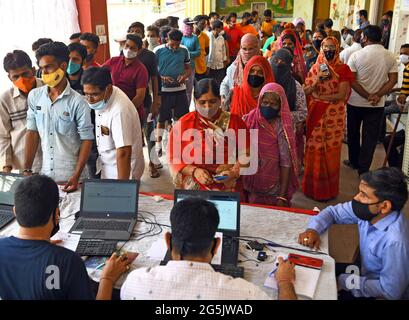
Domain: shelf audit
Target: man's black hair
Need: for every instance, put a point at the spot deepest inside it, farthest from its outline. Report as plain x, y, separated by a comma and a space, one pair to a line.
194, 222
389, 14
153, 29
213, 14
56, 49
36, 199
175, 35
92, 38
15, 60
389, 184
363, 13
268, 13
246, 15
357, 36
75, 35
373, 33
138, 25
163, 33
404, 46
97, 76
37, 44
78, 47
254, 13
217, 24
328, 23
136, 39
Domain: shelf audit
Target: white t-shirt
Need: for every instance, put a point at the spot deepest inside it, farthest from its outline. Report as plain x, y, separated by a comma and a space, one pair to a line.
346, 53
186, 280
118, 126
372, 65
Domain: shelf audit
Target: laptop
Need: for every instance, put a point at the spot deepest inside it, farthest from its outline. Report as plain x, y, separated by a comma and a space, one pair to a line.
228, 205
8, 186
109, 210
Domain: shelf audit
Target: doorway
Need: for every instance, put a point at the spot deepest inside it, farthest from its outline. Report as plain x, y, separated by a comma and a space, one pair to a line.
321, 11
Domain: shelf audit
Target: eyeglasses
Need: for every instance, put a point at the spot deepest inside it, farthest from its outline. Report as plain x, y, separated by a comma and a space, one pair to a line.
329, 47
93, 96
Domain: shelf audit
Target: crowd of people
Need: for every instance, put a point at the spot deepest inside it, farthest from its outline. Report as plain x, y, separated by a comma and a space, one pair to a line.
272, 102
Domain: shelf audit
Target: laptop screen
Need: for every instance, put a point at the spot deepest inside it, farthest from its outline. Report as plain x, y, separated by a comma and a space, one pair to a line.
8, 186
228, 205
110, 197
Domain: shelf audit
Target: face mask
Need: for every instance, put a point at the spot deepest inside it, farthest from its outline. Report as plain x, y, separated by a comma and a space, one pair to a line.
56, 227
53, 79
255, 81
73, 68
268, 112
317, 44
329, 55
361, 210
153, 42
404, 58
384, 22
129, 54
97, 106
208, 113
25, 84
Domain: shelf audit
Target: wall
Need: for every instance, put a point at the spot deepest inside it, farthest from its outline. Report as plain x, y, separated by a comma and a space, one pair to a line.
196, 7
305, 10
92, 13
399, 32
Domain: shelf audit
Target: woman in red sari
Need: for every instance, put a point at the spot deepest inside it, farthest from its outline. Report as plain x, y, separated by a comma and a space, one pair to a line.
327, 94
257, 73
208, 143
276, 179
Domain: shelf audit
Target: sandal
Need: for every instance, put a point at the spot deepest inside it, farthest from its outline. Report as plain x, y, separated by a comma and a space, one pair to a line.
158, 166
153, 172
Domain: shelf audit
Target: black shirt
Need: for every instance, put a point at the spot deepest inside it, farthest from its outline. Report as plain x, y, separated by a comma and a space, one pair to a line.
148, 59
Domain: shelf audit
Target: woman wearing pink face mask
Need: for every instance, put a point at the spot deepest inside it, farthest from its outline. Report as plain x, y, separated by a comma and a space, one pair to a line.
202, 133
191, 42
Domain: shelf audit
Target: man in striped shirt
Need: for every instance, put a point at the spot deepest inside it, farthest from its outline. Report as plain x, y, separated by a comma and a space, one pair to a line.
404, 58
13, 111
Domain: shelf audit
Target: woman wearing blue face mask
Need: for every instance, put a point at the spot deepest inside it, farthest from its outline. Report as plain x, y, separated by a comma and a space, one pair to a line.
276, 179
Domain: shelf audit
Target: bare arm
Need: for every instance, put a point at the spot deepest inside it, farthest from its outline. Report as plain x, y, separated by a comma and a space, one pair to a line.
156, 98
31, 146
387, 87
123, 162
139, 97
359, 89
341, 95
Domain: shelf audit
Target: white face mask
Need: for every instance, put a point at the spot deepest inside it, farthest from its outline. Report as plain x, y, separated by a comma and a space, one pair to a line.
129, 54
404, 58
153, 41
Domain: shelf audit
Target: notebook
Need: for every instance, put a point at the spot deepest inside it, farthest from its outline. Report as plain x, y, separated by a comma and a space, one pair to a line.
307, 274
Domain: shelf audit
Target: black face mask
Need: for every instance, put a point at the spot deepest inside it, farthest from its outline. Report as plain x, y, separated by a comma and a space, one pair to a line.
90, 57
329, 55
255, 81
384, 22
317, 44
56, 225
361, 210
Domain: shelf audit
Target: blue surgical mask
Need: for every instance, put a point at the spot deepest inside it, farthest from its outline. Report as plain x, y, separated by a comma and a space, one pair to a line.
269, 113
73, 68
98, 106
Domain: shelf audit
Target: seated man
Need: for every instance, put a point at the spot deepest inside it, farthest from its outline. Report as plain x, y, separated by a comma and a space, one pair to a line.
383, 231
34, 268
189, 275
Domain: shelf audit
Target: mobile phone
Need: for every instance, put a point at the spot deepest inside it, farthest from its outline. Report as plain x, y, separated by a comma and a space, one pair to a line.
324, 69
220, 178
305, 261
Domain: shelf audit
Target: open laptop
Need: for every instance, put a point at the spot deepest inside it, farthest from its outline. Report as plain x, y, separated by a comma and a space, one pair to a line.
8, 186
109, 209
228, 205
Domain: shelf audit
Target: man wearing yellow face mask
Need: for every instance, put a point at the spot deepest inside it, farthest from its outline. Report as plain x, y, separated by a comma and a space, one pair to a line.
60, 119
13, 111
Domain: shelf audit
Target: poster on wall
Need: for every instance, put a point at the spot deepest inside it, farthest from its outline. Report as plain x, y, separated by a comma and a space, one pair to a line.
281, 8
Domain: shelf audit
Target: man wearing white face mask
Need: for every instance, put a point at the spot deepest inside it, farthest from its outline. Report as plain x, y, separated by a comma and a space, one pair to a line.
117, 127
129, 74
404, 59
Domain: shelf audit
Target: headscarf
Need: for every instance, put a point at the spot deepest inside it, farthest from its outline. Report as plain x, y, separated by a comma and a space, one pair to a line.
284, 77
255, 120
298, 20
187, 30
242, 100
244, 57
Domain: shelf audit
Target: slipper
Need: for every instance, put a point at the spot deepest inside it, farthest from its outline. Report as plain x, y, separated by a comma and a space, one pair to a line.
159, 166
154, 173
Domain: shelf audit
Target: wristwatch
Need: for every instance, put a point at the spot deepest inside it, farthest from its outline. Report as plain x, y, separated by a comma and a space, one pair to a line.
28, 171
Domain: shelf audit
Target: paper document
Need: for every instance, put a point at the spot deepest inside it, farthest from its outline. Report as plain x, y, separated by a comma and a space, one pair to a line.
69, 241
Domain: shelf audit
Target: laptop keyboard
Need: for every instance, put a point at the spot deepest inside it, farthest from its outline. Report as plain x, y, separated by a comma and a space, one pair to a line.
5, 217
103, 225
229, 270
96, 248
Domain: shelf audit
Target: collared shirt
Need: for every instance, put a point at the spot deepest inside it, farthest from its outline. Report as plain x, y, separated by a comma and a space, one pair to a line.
13, 125
62, 125
372, 66
118, 126
384, 250
217, 52
233, 39
193, 45
172, 64
346, 53
364, 25
247, 29
200, 62
186, 280
128, 78
267, 28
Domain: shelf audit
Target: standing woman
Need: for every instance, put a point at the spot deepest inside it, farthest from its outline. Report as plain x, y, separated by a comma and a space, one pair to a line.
281, 64
257, 73
327, 94
276, 179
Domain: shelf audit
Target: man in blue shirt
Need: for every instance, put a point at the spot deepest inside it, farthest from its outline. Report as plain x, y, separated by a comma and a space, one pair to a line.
60, 119
32, 267
174, 68
383, 231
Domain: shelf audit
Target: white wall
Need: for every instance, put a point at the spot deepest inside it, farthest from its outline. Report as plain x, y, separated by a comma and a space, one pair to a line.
399, 32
